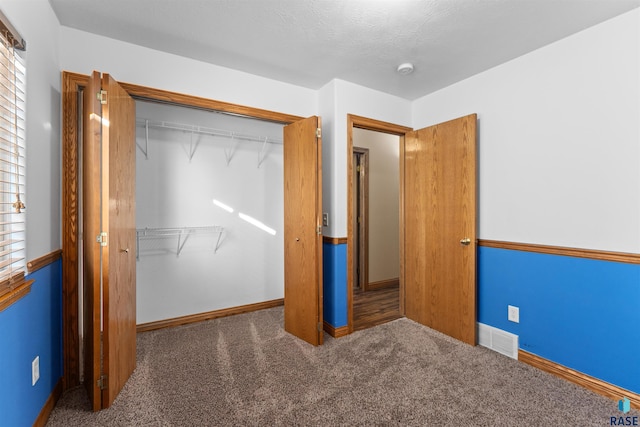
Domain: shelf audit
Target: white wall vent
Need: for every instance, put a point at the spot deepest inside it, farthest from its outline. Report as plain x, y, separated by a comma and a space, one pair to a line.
498, 340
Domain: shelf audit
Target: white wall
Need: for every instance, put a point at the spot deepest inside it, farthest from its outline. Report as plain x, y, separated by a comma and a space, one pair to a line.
384, 202
348, 98
84, 52
38, 25
173, 191
326, 110
559, 136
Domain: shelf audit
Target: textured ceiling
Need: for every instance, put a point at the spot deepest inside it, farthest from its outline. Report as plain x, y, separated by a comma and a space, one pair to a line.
310, 42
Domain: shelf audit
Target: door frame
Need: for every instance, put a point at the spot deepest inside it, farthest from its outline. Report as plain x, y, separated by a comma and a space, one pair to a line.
354, 121
362, 200
72, 86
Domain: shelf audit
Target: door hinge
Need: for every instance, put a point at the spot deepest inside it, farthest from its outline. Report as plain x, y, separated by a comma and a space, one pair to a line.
102, 382
358, 168
102, 97
102, 238
318, 133
319, 326
319, 230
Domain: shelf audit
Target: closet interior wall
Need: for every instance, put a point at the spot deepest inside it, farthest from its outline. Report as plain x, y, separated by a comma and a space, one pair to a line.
202, 199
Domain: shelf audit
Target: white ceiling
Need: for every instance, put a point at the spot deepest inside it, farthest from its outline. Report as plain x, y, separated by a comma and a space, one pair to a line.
310, 42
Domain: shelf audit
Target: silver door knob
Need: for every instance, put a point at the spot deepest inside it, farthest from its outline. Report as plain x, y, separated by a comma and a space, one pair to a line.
465, 242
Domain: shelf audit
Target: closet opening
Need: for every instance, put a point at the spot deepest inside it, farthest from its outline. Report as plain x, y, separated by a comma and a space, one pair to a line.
212, 196
209, 211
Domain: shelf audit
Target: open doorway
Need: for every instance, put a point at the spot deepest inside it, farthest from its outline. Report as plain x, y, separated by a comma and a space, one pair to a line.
376, 227
437, 228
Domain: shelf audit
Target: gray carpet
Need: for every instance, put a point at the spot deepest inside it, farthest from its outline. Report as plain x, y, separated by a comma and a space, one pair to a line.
245, 370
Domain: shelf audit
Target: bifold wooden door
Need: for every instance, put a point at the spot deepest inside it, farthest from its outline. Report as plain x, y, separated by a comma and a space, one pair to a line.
440, 227
108, 207
302, 155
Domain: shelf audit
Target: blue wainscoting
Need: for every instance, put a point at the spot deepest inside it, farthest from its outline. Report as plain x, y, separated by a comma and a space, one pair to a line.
580, 313
31, 327
334, 271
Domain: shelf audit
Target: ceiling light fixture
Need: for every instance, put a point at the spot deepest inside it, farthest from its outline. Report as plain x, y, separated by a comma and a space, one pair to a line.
406, 68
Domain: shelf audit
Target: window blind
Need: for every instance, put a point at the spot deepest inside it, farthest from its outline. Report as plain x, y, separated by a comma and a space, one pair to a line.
12, 161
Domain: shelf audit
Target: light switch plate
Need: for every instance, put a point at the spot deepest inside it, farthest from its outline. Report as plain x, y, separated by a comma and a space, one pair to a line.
35, 370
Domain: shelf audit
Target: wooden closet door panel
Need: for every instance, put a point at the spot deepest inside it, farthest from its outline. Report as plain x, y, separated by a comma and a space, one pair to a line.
119, 183
109, 262
92, 226
302, 156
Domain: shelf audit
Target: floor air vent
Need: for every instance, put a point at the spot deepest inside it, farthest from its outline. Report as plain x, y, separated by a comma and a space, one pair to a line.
498, 340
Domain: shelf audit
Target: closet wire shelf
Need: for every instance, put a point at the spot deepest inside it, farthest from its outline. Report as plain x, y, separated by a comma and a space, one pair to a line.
181, 233
202, 130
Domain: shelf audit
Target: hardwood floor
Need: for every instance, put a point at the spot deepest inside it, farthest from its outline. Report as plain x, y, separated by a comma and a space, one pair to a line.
375, 307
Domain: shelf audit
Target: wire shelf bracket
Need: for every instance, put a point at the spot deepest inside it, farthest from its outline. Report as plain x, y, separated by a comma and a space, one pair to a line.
182, 234
231, 151
193, 146
262, 154
145, 149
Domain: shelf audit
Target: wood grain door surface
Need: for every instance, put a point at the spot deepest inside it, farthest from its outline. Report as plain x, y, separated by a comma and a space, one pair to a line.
92, 226
302, 236
109, 206
440, 227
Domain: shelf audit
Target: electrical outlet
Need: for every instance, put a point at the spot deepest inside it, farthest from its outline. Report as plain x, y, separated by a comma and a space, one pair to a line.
325, 219
514, 314
35, 370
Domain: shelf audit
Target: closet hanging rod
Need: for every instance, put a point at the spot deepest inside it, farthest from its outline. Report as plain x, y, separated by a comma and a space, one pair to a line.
146, 123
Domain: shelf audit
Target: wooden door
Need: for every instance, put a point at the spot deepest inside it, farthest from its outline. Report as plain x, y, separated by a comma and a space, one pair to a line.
109, 206
440, 227
92, 226
302, 155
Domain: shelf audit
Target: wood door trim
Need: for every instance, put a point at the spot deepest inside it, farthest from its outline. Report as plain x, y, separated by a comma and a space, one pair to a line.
151, 94
384, 127
72, 86
377, 125
624, 257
